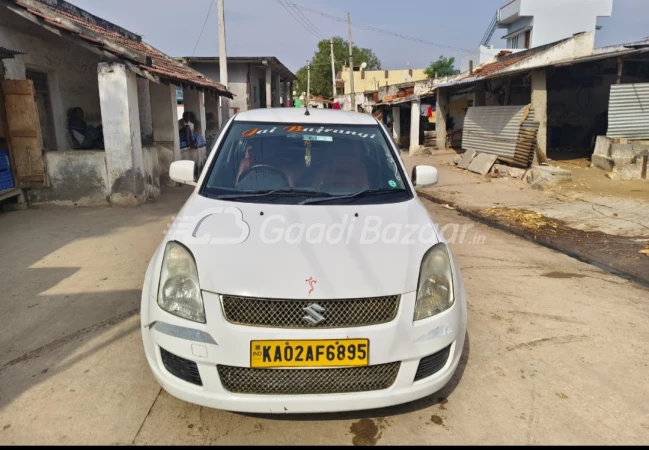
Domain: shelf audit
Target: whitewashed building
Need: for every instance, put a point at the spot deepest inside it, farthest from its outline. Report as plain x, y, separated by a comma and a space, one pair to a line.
534, 23
67, 59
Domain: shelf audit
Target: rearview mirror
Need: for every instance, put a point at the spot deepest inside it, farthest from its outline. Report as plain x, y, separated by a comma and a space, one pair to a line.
185, 172
424, 176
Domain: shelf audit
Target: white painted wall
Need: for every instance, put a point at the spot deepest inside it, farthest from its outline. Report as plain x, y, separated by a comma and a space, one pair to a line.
236, 80
72, 70
121, 120
559, 19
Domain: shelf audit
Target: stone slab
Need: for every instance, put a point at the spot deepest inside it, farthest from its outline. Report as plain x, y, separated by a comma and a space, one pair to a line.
466, 159
482, 163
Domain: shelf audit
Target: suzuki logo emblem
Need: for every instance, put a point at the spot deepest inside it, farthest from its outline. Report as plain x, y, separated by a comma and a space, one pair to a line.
313, 314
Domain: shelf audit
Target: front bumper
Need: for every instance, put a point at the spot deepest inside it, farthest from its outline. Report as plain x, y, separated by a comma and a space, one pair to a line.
220, 342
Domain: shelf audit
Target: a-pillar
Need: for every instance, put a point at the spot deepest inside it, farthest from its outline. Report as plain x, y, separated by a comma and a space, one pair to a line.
144, 104
122, 139
415, 114
269, 80
440, 118
540, 105
194, 102
166, 135
396, 124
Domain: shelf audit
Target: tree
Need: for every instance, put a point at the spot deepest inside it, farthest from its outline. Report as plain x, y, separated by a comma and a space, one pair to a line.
442, 67
321, 83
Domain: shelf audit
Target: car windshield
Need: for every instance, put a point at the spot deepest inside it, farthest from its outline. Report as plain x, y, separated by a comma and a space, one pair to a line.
305, 164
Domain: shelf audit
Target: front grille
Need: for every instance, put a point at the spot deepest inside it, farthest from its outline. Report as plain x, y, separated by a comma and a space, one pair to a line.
355, 312
432, 364
245, 380
181, 367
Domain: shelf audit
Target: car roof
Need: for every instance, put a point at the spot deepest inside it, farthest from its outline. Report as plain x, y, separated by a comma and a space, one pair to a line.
296, 115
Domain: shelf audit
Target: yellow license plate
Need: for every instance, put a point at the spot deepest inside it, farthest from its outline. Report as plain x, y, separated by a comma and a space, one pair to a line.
317, 353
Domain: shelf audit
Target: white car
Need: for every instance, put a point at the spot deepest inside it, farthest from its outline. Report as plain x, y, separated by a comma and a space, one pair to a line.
303, 274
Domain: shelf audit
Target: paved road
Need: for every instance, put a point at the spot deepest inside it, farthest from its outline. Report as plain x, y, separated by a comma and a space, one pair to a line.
556, 352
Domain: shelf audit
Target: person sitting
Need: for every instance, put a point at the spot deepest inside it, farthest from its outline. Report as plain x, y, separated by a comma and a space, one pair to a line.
188, 138
84, 136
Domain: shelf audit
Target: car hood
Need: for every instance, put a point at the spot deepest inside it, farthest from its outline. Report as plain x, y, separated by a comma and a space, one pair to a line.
305, 251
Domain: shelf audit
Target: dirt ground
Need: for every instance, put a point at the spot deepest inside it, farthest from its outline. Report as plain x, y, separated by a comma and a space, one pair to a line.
592, 180
556, 350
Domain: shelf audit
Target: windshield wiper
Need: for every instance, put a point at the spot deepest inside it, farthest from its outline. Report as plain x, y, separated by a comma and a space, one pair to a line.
252, 194
365, 193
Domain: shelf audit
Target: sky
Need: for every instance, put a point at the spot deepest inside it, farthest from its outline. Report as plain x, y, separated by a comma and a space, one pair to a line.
265, 28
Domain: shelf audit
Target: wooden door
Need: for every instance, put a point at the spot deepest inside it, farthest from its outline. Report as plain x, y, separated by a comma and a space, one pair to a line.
24, 133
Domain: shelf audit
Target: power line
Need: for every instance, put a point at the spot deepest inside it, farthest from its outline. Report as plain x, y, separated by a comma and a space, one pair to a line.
305, 18
379, 30
297, 19
202, 29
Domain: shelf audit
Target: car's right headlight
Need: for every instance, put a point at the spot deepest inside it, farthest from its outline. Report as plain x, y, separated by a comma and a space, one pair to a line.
179, 292
435, 288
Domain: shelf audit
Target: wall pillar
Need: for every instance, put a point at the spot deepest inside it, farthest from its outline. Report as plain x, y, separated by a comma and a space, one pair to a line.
290, 93
396, 125
166, 135
540, 105
144, 104
440, 118
269, 80
121, 126
415, 114
212, 124
278, 95
284, 93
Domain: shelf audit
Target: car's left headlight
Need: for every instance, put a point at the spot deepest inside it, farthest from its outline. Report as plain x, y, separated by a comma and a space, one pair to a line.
435, 287
179, 292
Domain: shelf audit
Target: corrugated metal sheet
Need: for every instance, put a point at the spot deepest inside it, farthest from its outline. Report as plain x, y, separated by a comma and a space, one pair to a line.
628, 111
493, 129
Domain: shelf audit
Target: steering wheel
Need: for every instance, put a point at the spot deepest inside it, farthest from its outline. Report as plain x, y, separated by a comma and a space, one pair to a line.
264, 167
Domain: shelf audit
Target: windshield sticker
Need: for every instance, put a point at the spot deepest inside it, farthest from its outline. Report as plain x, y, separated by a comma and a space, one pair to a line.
300, 129
393, 184
317, 138
318, 130
255, 131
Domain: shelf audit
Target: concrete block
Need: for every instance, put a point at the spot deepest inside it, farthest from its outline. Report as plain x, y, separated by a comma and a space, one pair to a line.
508, 171
628, 170
603, 146
542, 176
482, 163
619, 151
466, 159
602, 162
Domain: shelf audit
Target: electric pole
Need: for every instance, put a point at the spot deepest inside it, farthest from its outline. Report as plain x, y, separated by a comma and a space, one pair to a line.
223, 63
308, 83
351, 62
333, 68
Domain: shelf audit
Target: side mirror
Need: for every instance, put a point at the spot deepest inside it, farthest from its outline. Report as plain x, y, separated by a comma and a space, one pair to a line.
185, 172
424, 176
